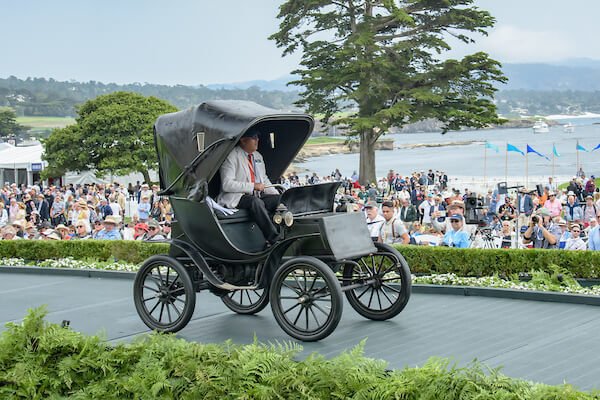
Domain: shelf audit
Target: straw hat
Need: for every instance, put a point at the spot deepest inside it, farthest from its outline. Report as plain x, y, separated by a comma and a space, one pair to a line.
111, 219
60, 226
51, 234
19, 222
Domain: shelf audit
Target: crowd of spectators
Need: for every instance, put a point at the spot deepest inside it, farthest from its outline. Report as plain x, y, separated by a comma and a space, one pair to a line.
89, 211
418, 208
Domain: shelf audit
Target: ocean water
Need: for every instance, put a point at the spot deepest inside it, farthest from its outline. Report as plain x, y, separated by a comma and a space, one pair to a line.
466, 162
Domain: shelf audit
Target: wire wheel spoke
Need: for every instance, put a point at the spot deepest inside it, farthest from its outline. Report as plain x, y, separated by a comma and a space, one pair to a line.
291, 308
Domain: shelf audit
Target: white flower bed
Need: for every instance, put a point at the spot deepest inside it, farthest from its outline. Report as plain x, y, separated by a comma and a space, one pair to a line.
496, 282
71, 263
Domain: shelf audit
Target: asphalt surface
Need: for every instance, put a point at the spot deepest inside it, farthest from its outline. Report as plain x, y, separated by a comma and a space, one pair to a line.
539, 341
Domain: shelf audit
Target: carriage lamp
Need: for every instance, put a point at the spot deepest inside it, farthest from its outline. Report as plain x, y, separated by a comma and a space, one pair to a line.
283, 215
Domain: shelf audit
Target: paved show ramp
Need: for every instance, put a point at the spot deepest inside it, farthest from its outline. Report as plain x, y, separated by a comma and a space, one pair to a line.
539, 341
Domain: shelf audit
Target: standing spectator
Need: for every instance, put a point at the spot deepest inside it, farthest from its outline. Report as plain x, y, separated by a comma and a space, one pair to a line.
155, 211
590, 186
57, 211
506, 210
573, 212
408, 212
426, 208
552, 205
575, 242
594, 238
590, 210
3, 215
13, 210
507, 236
525, 207
166, 209
104, 210
143, 209
374, 220
43, 208
392, 230
115, 206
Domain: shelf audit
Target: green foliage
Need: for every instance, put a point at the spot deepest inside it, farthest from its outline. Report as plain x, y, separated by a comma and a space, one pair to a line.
381, 61
123, 250
113, 133
8, 123
42, 360
488, 262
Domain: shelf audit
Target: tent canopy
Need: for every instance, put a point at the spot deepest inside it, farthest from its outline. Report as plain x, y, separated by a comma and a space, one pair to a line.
20, 157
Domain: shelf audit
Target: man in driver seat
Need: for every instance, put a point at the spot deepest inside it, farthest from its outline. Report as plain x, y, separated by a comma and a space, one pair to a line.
245, 184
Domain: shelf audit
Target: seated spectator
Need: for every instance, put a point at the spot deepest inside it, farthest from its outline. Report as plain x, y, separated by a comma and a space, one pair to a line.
572, 211
594, 237
82, 230
140, 231
166, 229
575, 242
564, 235
9, 233
590, 210
456, 236
110, 231
507, 236
50, 234
96, 230
154, 232
553, 205
63, 231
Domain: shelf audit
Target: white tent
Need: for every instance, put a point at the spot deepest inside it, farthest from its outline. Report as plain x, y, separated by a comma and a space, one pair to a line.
20, 163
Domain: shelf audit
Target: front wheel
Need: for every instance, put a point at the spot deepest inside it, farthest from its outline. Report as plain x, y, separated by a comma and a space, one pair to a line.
383, 283
306, 299
163, 294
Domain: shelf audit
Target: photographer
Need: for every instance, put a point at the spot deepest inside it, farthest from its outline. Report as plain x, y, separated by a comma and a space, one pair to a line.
542, 231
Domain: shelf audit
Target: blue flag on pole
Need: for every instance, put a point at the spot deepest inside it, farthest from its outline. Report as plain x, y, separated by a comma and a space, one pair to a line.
597, 147
510, 147
489, 145
580, 147
531, 150
555, 151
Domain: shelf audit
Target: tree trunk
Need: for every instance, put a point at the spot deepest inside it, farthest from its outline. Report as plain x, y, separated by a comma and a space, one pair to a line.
367, 158
146, 175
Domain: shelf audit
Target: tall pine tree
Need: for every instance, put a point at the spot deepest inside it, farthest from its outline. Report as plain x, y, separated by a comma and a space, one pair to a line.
379, 60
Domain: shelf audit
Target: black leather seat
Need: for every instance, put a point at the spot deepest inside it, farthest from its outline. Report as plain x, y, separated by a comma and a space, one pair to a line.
238, 216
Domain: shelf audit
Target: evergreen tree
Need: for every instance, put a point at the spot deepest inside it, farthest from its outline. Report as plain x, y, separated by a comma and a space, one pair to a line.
379, 61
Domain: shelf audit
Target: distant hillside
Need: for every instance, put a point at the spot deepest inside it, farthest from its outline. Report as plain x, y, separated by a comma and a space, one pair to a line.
552, 77
276, 84
48, 97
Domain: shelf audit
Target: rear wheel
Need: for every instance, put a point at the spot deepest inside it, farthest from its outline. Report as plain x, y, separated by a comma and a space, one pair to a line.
246, 301
163, 294
384, 283
306, 299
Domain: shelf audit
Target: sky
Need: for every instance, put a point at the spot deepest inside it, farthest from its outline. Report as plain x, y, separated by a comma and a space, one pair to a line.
192, 42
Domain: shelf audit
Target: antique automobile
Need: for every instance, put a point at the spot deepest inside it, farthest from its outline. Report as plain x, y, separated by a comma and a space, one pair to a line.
318, 256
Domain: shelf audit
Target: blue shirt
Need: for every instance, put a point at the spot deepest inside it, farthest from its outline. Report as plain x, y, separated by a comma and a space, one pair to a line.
144, 210
594, 239
109, 235
460, 239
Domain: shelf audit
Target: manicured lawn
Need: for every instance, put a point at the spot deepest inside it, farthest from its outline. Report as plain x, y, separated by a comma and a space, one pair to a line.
45, 122
324, 140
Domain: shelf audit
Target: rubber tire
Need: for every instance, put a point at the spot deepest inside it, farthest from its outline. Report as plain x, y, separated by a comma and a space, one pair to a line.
257, 307
337, 301
405, 288
190, 304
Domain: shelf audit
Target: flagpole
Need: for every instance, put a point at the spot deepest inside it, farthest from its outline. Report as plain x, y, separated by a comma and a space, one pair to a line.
526, 170
484, 165
506, 164
577, 166
553, 178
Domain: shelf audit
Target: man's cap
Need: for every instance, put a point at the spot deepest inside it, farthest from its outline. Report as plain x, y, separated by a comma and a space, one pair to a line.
589, 196
371, 204
456, 216
253, 132
458, 203
571, 193
153, 224
543, 212
562, 222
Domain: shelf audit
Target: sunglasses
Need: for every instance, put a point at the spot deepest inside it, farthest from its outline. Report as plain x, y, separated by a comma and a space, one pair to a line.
454, 221
152, 229
575, 230
80, 226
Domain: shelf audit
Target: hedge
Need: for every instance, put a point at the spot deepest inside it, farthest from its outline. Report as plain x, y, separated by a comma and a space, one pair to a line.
124, 250
421, 259
39, 360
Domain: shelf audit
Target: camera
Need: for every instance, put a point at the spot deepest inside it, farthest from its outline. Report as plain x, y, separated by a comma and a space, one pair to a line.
472, 205
535, 219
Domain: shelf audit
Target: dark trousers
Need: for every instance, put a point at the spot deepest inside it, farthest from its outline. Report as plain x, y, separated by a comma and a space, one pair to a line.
261, 209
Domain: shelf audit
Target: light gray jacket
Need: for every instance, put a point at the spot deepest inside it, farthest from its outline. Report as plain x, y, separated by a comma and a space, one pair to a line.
235, 177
